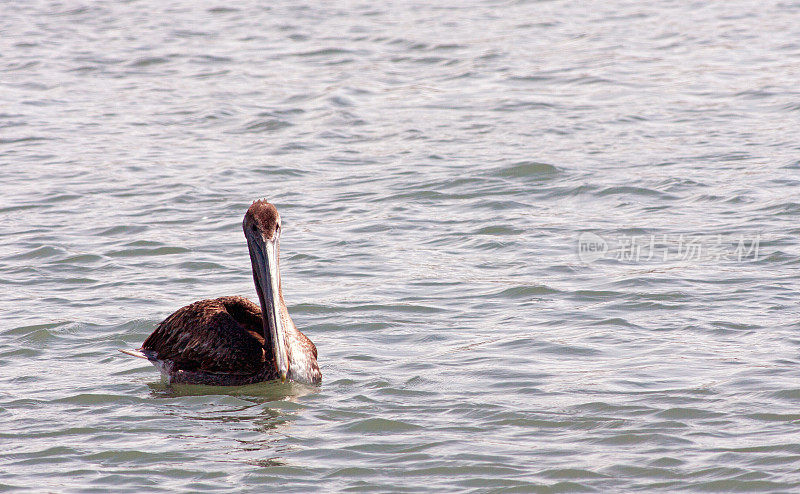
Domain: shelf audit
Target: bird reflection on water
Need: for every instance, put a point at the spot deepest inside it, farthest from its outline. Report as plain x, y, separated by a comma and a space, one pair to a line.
263, 409
262, 392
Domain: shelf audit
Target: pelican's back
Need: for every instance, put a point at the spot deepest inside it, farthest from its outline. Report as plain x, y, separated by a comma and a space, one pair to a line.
213, 336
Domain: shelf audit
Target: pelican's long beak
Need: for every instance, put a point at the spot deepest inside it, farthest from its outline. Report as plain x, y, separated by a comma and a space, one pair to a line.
264, 258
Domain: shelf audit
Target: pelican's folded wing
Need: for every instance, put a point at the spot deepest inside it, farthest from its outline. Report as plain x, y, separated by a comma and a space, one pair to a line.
205, 337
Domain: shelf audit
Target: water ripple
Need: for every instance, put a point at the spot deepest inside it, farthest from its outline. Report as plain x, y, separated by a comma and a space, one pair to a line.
435, 167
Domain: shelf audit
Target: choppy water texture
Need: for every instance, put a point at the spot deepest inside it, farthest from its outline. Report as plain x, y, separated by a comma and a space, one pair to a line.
434, 164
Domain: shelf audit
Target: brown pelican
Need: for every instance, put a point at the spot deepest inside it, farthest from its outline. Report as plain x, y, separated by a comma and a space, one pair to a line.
230, 340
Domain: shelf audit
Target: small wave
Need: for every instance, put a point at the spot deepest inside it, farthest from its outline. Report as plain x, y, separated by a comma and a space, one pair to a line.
149, 61
261, 126
140, 252
527, 169
381, 426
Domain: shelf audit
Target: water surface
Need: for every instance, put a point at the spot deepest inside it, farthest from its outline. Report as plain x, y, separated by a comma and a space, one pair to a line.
435, 167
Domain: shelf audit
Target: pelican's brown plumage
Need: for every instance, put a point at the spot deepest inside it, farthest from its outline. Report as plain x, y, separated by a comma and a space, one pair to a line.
231, 340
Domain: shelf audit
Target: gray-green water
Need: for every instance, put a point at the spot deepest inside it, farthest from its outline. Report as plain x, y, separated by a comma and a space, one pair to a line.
435, 166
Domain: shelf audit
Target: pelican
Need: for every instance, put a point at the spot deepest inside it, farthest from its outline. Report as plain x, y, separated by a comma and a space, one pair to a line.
230, 341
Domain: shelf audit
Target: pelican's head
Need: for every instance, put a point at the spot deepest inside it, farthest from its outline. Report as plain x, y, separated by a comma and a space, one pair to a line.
262, 228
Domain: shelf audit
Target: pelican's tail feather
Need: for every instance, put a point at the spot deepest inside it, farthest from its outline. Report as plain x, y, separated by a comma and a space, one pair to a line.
134, 353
